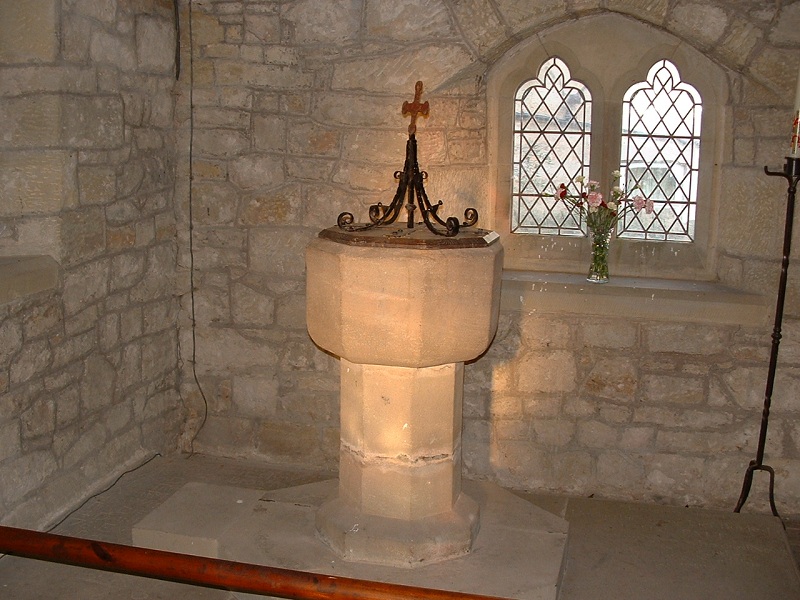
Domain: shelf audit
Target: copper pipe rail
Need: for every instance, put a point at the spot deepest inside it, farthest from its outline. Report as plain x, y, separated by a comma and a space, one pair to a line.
208, 572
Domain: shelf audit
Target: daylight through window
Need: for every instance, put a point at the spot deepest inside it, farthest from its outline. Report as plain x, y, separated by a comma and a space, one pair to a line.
552, 125
660, 153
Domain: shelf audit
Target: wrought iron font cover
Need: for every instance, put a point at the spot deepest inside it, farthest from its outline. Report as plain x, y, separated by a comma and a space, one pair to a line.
411, 197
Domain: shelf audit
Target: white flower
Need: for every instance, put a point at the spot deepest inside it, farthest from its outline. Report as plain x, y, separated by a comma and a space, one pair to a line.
579, 179
615, 174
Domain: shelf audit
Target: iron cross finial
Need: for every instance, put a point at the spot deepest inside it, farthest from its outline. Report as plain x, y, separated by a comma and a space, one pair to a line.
415, 108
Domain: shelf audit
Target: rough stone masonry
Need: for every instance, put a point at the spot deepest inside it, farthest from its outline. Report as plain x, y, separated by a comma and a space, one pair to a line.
89, 363
296, 118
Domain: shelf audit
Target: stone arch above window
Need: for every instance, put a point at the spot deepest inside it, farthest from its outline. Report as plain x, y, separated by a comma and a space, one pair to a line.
608, 54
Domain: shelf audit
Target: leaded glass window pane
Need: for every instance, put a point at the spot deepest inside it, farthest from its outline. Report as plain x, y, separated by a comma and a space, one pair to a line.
660, 154
552, 125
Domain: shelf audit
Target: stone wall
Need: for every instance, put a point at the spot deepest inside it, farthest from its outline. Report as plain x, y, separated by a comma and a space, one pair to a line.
297, 117
637, 409
88, 364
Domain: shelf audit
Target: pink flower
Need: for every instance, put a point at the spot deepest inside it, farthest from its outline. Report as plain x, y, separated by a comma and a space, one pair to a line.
639, 202
649, 207
594, 199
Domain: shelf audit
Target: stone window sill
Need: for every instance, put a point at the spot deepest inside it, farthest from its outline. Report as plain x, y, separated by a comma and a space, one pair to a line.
26, 275
633, 297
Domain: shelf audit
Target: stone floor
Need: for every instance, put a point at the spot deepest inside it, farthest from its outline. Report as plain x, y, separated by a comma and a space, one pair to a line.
792, 525
616, 550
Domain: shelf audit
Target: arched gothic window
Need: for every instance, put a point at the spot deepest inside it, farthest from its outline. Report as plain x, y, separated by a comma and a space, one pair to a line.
552, 144
556, 104
660, 154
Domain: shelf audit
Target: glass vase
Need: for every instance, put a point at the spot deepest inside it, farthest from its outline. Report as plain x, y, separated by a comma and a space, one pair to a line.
598, 269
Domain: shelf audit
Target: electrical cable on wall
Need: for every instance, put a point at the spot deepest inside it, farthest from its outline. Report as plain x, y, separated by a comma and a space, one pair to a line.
177, 17
191, 234
101, 492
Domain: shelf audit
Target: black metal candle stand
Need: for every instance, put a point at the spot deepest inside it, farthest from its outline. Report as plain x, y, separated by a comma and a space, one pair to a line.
791, 172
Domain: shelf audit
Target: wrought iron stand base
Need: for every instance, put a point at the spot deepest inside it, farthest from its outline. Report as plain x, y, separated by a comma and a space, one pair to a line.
748, 481
791, 172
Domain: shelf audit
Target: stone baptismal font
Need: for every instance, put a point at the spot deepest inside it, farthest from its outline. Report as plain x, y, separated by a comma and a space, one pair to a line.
403, 301
403, 304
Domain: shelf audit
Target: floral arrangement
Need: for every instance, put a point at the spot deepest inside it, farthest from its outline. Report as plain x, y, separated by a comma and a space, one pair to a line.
602, 215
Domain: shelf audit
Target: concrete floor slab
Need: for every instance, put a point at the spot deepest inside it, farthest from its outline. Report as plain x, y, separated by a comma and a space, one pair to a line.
625, 550
195, 518
616, 550
517, 554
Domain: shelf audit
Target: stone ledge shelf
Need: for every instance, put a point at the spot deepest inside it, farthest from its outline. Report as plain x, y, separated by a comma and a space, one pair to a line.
26, 275
634, 297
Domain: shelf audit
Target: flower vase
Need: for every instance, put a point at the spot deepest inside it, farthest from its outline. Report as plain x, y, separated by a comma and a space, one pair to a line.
598, 270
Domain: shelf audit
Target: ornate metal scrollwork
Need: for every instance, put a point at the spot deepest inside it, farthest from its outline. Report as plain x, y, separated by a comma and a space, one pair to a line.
410, 194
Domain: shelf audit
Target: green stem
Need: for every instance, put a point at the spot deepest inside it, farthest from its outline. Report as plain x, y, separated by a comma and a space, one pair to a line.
598, 270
